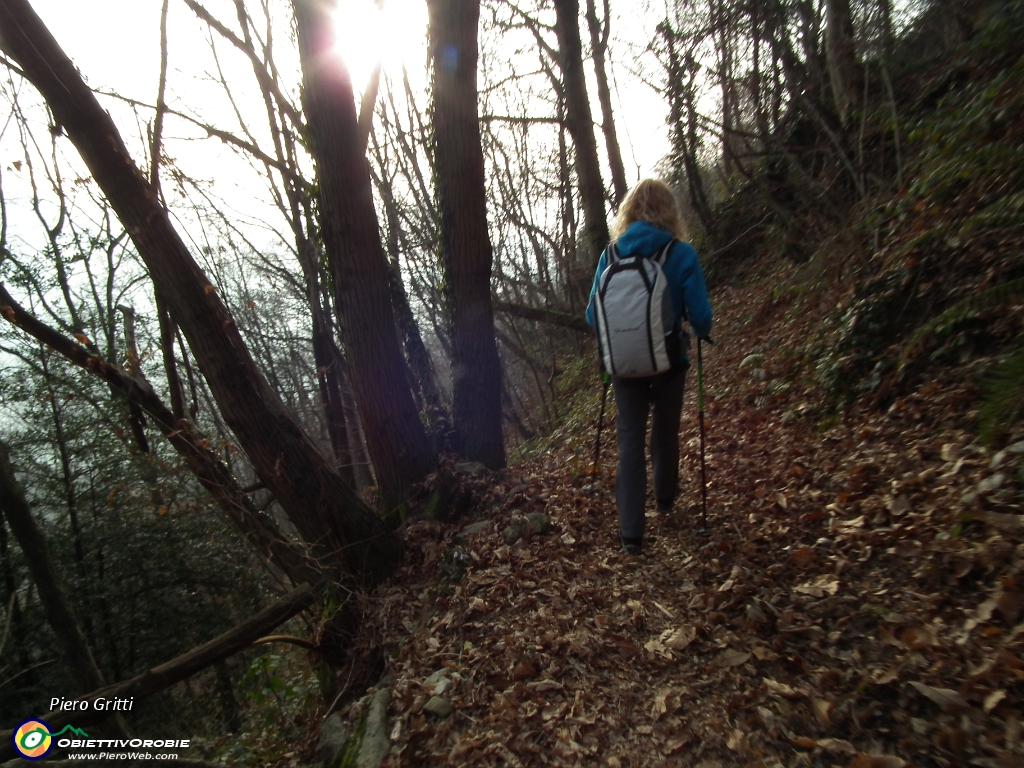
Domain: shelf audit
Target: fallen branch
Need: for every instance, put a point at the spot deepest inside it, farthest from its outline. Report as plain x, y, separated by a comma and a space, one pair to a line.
543, 315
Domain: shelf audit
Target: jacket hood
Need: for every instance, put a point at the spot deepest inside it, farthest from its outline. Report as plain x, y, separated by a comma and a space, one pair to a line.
642, 237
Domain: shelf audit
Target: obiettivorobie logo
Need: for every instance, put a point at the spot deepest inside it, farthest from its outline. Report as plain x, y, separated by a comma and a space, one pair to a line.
33, 741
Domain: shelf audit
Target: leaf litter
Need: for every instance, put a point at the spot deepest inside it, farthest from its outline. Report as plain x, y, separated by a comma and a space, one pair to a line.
856, 603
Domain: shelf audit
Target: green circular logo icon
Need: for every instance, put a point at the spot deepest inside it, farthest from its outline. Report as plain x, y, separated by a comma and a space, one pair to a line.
32, 740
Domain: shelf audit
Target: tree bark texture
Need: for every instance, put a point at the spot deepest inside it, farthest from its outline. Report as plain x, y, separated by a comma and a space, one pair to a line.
164, 676
599, 46
51, 590
327, 513
580, 122
465, 243
395, 436
841, 57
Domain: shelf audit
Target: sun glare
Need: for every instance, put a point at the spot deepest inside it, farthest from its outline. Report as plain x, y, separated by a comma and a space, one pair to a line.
389, 32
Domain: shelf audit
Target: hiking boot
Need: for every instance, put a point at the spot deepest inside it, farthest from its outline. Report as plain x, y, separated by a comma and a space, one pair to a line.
632, 546
663, 507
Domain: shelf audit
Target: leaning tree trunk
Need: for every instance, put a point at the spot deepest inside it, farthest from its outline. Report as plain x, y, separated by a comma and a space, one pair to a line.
326, 512
395, 437
580, 122
465, 243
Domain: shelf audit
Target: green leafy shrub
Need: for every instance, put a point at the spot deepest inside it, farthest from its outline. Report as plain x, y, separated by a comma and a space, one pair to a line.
1002, 405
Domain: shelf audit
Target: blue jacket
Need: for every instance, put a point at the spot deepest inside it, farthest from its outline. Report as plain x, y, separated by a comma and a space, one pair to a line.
682, 274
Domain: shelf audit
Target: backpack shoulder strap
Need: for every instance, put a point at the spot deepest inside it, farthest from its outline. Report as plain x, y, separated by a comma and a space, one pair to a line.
662, 255
613, 254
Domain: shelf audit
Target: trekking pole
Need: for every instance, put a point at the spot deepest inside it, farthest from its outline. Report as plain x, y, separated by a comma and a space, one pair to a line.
607, 380
700, 421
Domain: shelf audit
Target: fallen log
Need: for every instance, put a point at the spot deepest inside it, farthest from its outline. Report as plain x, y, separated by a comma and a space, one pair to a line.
176, 670
543, 315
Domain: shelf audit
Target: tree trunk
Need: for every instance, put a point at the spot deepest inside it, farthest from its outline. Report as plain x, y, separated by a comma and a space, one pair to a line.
599, 44
683, 122
395, 437
51, 591
580, 123
465, 243
327, 513
841, 56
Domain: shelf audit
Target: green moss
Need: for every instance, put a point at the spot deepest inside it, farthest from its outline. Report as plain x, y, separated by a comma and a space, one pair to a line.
349, 754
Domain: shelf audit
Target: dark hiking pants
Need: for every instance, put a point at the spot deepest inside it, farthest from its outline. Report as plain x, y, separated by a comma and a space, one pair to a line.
662, 397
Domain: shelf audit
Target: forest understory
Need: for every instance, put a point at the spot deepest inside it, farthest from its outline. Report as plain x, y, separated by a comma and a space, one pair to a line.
855, 595
854, 602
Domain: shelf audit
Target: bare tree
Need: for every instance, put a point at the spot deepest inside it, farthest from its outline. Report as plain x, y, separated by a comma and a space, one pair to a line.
325, 510
396, 439
465, 243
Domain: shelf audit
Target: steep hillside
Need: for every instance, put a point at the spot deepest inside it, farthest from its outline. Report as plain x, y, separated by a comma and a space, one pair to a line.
855, 598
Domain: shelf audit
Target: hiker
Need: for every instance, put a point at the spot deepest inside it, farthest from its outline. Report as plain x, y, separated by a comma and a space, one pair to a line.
646, 353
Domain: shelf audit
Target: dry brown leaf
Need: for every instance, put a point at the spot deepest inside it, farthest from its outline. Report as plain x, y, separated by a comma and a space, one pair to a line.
897, 506
822, 709
732, 658
888, 637
625, 648
737, 741
476, 604
755, 614
981, 614
993, 699
786, 691
837, 746
885, 676
803, 557
1010, 603
544, 686
679, 639
524, 670
946, 698
951, 452
661, 702
674, 744
553, 711
819, 585
877, 761
803, 742
657, 647
919, 638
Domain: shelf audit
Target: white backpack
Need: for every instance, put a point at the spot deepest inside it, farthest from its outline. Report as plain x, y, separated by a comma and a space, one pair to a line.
634, 315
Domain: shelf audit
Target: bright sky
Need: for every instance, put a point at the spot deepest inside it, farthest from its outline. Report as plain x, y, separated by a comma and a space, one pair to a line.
115, 43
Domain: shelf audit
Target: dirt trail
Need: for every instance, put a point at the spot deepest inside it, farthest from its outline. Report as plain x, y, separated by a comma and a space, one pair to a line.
837, 614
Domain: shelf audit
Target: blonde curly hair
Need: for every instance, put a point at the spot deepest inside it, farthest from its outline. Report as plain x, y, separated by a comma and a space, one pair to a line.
651, 200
